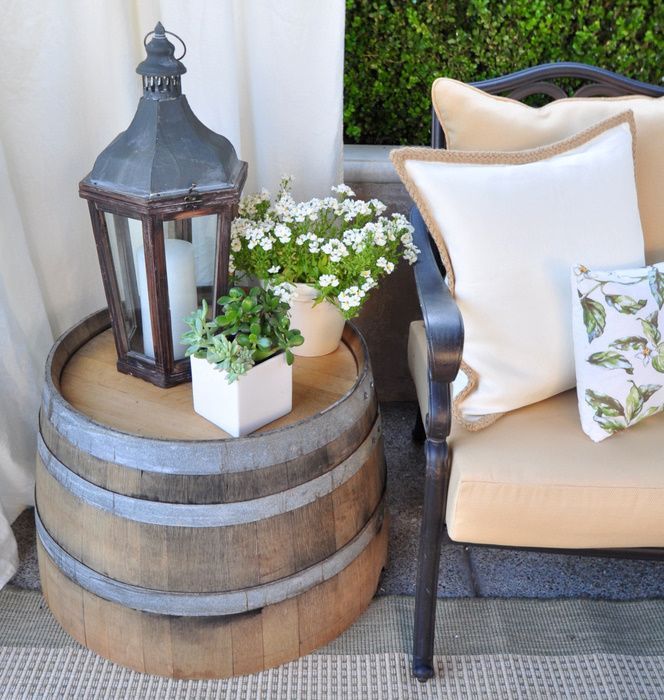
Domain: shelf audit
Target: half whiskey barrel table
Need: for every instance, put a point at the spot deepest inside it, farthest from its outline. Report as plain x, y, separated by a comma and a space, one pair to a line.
169, 547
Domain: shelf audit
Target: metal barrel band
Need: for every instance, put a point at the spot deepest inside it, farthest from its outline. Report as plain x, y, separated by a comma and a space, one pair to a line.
209, 515
209, 604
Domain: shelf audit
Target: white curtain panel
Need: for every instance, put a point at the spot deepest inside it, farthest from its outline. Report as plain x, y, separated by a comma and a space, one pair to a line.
268, 74
25, 337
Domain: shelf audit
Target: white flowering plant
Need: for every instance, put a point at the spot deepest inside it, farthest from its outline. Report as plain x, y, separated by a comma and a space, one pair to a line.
339, 245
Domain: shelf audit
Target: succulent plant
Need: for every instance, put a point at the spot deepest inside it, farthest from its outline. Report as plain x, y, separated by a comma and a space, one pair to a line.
252, 326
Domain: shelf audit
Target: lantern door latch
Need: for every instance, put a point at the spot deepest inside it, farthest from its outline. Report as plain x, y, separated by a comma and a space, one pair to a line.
193, 198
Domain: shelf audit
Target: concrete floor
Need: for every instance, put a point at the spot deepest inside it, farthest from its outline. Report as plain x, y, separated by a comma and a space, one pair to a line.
465, 571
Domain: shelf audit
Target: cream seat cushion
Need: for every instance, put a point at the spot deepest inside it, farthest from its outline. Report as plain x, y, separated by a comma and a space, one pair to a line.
533, 479
473, 120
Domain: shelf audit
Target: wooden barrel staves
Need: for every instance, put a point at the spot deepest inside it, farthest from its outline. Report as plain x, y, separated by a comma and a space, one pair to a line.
170, 548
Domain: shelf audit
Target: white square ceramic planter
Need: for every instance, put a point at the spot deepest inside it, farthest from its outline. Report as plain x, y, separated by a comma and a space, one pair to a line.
258, 397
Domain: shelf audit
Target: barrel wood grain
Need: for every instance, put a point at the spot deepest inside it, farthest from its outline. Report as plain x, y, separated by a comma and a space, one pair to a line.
215, 557
207, 604
204, 488
132, 405
218, 647
170, 548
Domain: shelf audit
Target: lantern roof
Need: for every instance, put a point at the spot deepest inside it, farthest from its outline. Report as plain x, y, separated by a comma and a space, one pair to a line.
160, 59
166, 151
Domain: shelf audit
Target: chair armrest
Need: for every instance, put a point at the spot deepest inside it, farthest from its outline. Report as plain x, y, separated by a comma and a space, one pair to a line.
444, 331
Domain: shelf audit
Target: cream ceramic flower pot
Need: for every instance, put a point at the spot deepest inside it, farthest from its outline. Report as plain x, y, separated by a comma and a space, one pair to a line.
321, 325
258, 397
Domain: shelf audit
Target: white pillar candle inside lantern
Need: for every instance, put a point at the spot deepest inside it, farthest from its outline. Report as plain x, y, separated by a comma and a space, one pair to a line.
204, 237
182, 297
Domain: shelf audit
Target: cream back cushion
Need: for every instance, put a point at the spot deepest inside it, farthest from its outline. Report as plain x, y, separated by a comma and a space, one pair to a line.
473, 120
509, 226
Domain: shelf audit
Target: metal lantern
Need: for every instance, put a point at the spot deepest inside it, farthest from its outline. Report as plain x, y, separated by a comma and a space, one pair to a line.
162, 197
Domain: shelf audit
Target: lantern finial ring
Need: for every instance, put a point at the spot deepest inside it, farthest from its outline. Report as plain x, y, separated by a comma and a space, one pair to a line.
165, 31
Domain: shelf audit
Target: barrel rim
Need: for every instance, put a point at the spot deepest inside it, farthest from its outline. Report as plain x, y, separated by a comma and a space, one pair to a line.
124, 445
363, 369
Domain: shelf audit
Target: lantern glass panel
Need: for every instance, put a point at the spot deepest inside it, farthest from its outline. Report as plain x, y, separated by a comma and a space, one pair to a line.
125, 237
201, 232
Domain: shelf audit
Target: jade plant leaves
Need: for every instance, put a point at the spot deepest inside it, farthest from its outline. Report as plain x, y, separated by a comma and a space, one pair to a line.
611, 360
656, 282
625, 304
594, 318
253, 326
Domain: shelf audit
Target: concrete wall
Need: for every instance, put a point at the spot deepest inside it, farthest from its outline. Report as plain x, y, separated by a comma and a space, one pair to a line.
385, 317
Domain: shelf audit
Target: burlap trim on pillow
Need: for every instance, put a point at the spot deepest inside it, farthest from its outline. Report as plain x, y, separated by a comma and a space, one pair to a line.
399, 158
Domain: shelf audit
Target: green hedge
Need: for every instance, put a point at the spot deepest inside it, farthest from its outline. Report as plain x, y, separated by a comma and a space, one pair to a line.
395, 48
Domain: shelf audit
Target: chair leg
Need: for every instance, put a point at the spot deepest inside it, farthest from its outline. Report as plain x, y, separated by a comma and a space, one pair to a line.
419, 434
428, 559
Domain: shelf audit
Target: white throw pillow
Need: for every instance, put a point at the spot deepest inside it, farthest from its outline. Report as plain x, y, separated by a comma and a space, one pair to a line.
618, 332
508, 227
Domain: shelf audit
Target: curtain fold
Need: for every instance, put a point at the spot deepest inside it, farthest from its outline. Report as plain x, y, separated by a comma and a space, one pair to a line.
268, 75
25, 337
8, 553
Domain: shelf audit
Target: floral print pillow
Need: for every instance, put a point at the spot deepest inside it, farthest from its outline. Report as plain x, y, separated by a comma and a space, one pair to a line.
618, 327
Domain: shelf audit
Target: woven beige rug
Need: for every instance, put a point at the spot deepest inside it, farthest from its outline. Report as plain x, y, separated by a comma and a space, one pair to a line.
486, 649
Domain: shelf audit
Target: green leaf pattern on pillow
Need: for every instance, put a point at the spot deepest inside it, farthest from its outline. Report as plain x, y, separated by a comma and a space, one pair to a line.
611, 360
656, 282
627, 305
611, 415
